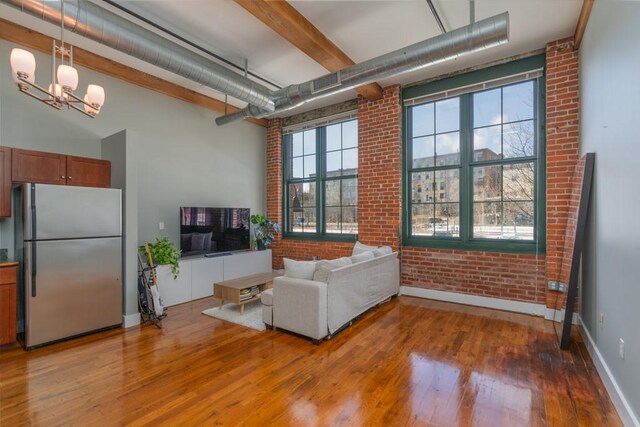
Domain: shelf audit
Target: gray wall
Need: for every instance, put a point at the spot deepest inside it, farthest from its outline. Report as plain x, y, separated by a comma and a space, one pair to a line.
119, 149
185, 158
610, 127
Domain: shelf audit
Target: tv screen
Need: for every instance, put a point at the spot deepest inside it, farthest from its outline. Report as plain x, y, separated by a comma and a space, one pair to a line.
209, 230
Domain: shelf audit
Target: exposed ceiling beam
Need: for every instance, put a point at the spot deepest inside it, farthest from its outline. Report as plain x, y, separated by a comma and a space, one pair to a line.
290, 24
587, 5
32, 39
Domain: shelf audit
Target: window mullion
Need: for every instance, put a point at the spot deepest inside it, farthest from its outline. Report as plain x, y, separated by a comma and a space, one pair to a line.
320, 175
466, 174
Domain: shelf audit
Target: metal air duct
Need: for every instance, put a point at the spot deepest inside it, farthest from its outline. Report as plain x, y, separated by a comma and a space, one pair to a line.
98, 24
477, 36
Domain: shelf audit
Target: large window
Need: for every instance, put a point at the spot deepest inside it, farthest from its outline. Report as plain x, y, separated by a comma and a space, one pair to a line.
321, 181
472, 165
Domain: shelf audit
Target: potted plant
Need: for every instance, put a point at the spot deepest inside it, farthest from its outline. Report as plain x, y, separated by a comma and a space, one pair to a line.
164, 252
264, 231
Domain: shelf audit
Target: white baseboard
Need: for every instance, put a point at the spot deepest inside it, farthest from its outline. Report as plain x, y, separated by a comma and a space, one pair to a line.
617, 397
129, 320
558, 316
476, 300
487, 302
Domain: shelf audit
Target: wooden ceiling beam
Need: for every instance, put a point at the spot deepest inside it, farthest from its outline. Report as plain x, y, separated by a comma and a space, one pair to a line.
585, 12
32, 39
290, 24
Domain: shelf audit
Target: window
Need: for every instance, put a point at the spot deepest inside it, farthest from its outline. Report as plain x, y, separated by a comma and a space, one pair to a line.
477, 155
321, 181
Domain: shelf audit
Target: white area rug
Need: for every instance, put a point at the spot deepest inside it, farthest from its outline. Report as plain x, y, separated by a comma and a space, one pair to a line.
251, 318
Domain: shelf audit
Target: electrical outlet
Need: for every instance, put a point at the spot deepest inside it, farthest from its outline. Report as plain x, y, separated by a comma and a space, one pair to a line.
621, 350
601, 320
161, 225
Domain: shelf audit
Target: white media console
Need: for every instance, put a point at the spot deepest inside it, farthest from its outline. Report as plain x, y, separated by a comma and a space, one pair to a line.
197, 274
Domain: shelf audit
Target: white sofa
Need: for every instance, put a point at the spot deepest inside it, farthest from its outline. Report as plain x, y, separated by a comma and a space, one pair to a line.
317, 309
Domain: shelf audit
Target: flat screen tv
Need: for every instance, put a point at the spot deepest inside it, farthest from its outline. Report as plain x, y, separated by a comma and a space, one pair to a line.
210, 230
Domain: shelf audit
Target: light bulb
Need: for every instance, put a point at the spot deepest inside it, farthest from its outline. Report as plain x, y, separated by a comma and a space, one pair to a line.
58, 93
95, 95
23, 61
67, 77
87, 108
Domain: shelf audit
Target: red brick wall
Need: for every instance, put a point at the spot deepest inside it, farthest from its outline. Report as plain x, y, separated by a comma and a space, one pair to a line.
379, 175
499, 275
490, 274
379, 169
562, 149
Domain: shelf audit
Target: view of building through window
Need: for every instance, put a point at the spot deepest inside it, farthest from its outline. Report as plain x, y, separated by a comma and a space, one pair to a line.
333, 192
500, 167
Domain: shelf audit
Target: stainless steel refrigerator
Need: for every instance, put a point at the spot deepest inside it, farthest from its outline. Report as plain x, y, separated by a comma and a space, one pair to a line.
70, 242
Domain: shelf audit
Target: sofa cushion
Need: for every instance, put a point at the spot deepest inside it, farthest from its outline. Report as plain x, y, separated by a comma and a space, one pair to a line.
324, 267
267, 297
299, 269
364, 256
381, 251
360, 248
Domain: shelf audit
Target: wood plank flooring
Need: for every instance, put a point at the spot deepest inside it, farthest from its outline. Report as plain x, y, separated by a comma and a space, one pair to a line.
408, 362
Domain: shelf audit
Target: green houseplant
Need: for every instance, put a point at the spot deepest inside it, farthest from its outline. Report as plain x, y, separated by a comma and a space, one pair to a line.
264, 230
164, 252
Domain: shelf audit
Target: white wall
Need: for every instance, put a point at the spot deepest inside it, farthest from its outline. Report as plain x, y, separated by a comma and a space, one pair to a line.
610, 127
185, 158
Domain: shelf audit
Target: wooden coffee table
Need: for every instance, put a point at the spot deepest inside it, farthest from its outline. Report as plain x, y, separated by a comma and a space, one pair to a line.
229, 290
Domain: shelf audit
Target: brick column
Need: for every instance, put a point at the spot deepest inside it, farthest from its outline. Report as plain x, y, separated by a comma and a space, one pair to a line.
562, 149
379, 169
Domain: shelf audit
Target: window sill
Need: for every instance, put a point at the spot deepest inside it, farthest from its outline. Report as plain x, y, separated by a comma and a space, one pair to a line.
348, 238
514, 247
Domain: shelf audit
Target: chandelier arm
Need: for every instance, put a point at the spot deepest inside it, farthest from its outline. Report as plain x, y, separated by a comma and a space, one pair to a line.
70, 105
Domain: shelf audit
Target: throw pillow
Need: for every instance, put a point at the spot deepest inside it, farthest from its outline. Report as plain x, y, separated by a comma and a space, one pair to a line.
197, 242
364, 256
382, 250
207, 241
299, 269
360, 248
324, 267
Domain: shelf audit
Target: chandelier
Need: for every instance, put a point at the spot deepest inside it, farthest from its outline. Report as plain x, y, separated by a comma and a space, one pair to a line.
64, 78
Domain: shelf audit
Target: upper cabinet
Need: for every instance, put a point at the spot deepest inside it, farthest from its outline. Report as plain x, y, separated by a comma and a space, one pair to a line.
38, 167
88, 172
19, 166
5, 182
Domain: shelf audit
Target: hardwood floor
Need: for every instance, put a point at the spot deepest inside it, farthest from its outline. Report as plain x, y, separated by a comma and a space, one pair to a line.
409, 362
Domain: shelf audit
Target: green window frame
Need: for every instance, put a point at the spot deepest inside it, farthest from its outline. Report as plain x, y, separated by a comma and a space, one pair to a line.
320, 182
441, 214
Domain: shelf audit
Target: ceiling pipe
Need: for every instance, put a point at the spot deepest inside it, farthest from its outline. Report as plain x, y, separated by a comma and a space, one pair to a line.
434, 12
478, 36
98, 24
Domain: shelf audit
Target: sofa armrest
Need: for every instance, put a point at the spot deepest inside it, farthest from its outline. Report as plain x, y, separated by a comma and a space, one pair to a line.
300, 306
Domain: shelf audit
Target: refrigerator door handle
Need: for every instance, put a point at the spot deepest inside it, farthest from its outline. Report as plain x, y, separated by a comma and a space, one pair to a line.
33, 243
33, 269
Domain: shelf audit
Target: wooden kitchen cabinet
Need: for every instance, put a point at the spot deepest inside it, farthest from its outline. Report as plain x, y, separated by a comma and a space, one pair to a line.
5, 182
38, 167
86, 172
8, 302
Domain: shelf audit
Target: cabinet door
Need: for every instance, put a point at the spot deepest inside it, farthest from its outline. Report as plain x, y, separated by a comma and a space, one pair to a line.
5, 182
8, 304
38, 167
85, 172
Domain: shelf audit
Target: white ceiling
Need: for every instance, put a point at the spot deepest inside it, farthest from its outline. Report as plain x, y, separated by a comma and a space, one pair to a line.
362, 29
